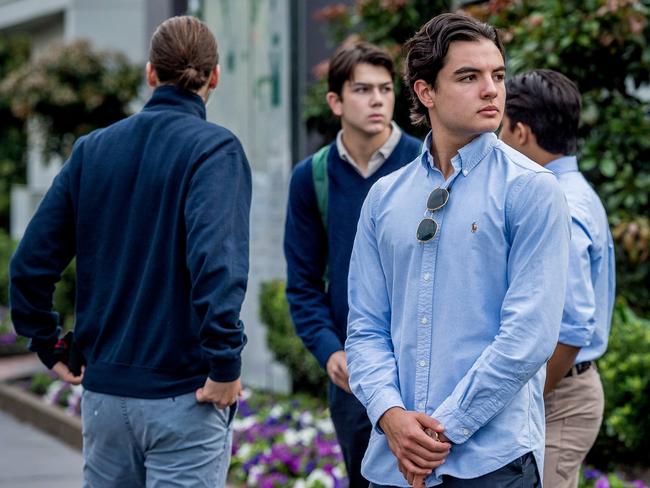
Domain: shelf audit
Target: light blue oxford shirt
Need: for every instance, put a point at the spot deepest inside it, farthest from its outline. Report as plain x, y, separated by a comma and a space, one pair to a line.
459, 327
590, 292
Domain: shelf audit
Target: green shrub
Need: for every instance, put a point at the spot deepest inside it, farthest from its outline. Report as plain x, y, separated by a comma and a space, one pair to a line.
287, 348
624, 370
64, 293
7, 247
14, 51
40, 383
72, 89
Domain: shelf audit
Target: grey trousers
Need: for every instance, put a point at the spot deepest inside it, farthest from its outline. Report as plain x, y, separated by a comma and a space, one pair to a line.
574, 412
521, 473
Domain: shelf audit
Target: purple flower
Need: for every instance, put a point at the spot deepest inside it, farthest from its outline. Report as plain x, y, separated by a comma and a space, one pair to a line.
7, 338
639, 484
272, 480
592, 474
602, 482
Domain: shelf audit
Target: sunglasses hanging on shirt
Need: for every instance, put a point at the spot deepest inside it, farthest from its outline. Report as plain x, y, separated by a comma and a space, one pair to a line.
428, 228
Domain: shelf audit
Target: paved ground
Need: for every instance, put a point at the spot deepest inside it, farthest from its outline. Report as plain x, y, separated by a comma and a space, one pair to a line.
31, 459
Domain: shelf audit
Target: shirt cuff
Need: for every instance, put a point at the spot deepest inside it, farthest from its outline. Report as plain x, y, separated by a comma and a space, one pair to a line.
327, 345
225, 371
49, 358
379, 405
575, 335
457, 428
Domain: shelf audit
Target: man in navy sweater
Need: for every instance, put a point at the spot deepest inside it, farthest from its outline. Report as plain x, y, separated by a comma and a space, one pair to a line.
155, 208
318, 243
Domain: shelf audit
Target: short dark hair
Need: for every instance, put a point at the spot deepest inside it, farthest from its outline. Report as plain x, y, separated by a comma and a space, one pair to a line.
427, 52
347, 57
549, 103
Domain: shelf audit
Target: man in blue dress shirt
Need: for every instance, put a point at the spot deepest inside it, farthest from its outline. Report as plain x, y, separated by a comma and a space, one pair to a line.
457, 282
541, 121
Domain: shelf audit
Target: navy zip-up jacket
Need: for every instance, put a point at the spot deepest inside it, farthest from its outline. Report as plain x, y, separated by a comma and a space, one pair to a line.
156, 210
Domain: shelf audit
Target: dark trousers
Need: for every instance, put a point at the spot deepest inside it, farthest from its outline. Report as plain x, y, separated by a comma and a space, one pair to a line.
352, 430
521, 473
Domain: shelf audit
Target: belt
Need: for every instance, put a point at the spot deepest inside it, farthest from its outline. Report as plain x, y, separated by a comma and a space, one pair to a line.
579, 368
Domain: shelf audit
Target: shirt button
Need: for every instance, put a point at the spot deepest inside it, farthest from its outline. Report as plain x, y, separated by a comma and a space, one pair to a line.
421, 405
465, 431
422, 363
423, 320
465, 172
426, 277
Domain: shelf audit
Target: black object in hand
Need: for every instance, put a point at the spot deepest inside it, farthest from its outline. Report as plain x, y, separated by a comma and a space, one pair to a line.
68, 352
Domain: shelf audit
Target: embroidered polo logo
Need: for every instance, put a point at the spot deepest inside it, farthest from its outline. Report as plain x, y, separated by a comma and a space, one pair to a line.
474, 228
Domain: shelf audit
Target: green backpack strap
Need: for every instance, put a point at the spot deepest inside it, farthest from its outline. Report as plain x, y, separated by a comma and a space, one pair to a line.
319, 174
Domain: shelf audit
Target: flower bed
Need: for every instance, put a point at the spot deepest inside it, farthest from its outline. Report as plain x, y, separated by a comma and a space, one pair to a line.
593, 478
285, 442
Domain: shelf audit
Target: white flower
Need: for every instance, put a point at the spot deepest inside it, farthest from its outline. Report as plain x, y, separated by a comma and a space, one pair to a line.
338, 472
291, 437
244, 452
245, 394
306, 418
307, 435
325, 426
54, 391
300, 484
254, 475
320, 476
276, 412
239, 425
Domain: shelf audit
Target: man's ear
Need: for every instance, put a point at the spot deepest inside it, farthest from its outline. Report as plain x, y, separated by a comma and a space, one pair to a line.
523, 134
215, 75
151, 75
425, 92
335, 103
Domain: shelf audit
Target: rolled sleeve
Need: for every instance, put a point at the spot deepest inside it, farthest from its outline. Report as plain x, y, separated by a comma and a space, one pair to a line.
579, 317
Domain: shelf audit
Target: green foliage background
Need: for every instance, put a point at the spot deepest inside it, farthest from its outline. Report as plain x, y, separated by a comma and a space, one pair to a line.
14, 51
72, 89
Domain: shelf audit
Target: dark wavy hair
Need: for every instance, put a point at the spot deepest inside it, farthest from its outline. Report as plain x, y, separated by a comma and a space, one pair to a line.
549, 103
426, 52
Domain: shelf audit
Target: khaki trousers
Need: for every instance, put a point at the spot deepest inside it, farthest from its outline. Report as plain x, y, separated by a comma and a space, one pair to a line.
574, 412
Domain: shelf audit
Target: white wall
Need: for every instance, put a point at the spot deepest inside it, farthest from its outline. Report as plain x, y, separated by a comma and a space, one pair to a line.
253, 100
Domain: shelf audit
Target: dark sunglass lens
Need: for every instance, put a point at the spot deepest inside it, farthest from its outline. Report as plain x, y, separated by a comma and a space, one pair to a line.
427, 230
437, 198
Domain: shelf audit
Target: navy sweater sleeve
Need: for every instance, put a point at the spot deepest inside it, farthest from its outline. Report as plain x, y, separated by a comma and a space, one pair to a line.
217, 213
46, 248
305, 248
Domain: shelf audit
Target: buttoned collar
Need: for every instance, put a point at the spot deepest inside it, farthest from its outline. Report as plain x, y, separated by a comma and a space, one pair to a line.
565, 164
168, 96
467, 156
378, 157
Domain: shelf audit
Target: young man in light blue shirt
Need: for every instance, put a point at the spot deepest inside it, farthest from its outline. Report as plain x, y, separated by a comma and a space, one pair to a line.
456, 282
541, 121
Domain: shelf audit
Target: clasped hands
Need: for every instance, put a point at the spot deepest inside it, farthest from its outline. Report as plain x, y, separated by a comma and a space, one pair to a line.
417, 441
